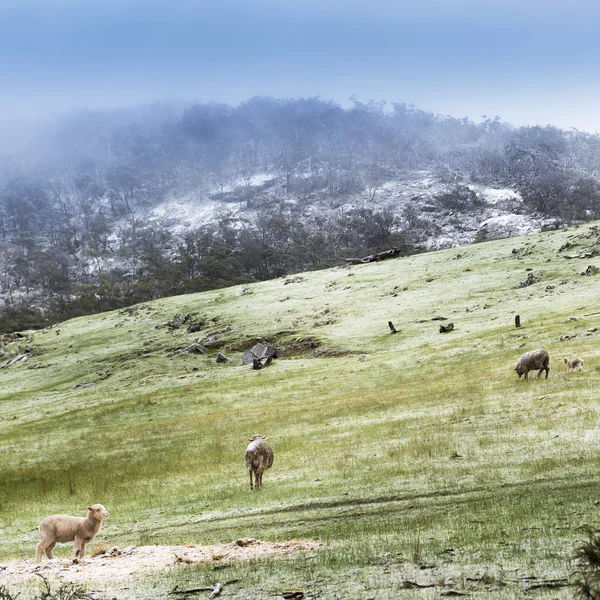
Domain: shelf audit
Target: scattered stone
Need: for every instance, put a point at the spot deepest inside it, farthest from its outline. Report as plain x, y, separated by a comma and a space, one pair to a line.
362, 357
439, 319
192, 349
177, 321
591, 270
564, 338
446, 328
531, 279
195, 326
259, 353
82, 384
221, 358
297, 279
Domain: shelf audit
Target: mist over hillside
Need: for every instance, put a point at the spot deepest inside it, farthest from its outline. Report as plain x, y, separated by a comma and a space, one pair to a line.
103, 209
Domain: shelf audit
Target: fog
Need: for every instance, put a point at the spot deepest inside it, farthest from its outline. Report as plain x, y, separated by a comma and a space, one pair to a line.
528, 62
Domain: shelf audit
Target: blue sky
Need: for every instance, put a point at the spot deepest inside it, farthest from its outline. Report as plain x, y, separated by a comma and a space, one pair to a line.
528, 61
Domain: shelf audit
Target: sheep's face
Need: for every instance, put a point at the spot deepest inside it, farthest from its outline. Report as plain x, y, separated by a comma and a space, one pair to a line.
257, 437
520, 370
98, 512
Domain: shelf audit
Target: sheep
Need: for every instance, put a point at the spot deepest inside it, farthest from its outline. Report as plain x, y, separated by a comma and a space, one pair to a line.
574, 364
259, 456
63, 528
536, 359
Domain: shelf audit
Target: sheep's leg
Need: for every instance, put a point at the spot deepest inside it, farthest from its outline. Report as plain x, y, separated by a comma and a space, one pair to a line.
39, 549
49, 550
79, 548
259, 474
525, 376
251, 486
540, 372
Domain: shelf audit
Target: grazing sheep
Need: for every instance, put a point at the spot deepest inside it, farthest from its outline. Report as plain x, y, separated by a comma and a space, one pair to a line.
63, 528
574, 364
536, 359
259, 456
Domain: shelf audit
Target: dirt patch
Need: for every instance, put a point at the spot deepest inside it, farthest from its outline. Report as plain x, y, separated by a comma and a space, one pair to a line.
117, 564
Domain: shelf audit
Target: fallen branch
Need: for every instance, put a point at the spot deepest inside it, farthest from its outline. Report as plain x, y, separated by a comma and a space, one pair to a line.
534, 583
413, 584
392, 253
215, 590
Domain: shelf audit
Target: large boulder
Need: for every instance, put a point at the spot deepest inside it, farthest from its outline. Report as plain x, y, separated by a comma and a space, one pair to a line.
507, 226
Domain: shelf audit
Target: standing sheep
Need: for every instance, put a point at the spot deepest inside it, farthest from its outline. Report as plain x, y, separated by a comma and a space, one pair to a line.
63, 528
574, 364
259, 456
536, 359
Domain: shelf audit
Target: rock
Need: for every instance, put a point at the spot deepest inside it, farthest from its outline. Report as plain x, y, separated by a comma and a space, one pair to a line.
591, 270
192, 349
261, 352
446, 328
362, 357
195, 326
506, 226
531, 279
177, 321
221, 358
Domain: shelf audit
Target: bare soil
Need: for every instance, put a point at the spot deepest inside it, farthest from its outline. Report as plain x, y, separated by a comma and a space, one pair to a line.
119, 564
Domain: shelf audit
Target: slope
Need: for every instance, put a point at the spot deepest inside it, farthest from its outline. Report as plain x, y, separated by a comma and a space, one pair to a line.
428, 461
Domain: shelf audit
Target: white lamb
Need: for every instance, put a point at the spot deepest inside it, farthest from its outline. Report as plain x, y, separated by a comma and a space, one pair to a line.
63, 528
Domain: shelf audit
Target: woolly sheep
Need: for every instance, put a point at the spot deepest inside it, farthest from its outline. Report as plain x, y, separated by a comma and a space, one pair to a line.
574, 364
259, 456
536, 359
63, 528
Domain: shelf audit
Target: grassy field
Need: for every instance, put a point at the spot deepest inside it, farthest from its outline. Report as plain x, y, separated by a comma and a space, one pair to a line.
428, 463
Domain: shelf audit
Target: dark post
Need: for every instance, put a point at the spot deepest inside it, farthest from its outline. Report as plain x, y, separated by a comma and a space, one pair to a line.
392, 328
517, 321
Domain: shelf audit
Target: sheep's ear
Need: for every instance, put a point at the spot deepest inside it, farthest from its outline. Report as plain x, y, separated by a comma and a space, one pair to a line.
250, 439
264, 437
90, 508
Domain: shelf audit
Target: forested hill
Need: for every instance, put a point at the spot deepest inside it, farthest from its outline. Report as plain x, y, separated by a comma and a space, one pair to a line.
105, 209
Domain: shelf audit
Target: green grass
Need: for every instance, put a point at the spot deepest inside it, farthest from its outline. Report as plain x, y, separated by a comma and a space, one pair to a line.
429, 452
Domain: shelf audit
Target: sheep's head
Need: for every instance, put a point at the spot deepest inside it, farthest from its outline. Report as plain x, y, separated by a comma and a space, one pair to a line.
520, 370
566, 360
98, 512
257, 437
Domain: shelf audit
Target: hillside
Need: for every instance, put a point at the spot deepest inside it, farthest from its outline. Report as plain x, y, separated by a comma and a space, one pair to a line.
425, 463
103, 210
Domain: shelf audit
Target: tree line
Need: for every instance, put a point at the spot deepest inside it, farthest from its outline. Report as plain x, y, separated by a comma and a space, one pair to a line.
73, 239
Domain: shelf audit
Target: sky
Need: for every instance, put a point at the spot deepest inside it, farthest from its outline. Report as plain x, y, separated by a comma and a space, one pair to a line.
528, 61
